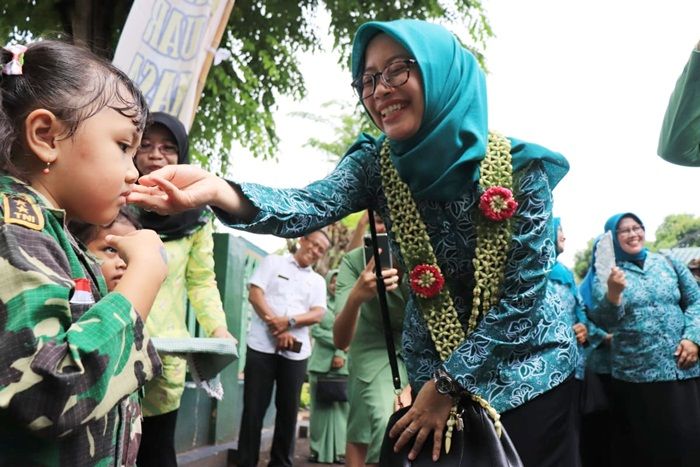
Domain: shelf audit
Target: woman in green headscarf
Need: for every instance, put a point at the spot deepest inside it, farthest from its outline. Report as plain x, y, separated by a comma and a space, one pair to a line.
328, 420
469, 218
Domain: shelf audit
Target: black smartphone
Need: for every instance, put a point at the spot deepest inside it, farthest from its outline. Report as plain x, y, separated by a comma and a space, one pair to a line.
296, 347
384, 250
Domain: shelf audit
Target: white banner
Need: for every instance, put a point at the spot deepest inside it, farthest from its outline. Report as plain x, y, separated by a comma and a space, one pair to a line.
165, 47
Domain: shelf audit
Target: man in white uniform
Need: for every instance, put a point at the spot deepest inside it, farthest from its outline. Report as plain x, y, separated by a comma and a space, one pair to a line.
287, 296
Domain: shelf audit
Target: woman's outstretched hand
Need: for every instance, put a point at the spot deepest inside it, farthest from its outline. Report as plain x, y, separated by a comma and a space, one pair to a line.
176, 188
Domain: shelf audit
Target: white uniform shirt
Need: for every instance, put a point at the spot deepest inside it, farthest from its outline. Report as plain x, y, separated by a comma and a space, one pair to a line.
289, 290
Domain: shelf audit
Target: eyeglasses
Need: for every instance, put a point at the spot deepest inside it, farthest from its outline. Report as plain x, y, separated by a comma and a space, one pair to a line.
393, 75
636, 230
166, 149
318, 247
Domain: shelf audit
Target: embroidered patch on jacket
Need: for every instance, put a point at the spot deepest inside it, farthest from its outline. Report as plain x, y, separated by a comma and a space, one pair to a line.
21, 211
82, 294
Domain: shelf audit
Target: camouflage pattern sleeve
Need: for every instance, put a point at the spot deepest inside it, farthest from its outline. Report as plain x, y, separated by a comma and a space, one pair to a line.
65, 361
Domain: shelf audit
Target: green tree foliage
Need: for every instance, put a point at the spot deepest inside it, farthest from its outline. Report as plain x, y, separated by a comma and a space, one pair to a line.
264, 36
582, 260
677, 230
345, 123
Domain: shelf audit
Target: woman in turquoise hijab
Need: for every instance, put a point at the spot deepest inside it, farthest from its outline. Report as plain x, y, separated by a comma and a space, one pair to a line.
596, 418
651, 305
562, 279
588, 335
443, 203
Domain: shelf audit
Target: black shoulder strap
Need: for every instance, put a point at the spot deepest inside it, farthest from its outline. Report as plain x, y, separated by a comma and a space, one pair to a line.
381, 292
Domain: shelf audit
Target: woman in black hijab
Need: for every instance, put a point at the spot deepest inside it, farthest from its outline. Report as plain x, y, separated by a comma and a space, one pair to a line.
187, 237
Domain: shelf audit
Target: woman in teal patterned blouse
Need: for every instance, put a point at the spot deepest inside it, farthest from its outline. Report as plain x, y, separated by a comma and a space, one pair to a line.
588, 335
562, 281
651, 305
596, 418
427, 95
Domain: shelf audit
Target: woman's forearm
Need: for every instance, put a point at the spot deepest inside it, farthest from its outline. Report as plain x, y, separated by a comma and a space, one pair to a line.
346, 322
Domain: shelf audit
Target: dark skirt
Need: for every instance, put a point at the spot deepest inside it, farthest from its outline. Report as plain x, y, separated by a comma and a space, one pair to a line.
596, 422
656, 424
542, 429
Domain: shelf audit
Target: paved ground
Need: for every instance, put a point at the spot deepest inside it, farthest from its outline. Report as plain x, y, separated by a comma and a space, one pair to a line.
224, 455
301, 451
301, 456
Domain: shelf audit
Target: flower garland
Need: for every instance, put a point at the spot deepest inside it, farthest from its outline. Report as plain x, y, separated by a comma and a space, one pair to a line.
493, 229
410, 234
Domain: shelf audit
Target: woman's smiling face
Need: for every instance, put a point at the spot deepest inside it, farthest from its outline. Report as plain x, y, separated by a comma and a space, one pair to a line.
630, 235
397, 111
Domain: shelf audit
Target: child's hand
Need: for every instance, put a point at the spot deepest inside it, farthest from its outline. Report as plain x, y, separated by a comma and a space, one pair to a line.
146, 267
142, 249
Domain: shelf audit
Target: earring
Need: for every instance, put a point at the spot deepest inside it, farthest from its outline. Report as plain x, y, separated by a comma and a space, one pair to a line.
47, 169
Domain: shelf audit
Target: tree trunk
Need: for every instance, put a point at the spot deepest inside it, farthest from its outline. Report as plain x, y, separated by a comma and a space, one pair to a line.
93, 23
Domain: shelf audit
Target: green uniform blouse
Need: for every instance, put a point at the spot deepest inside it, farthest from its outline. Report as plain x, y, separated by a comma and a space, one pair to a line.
679, 142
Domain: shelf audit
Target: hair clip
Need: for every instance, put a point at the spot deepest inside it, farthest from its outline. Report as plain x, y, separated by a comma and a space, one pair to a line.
14, 66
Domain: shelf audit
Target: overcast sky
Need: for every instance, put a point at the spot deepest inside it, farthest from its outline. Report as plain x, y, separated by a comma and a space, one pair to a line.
588, 79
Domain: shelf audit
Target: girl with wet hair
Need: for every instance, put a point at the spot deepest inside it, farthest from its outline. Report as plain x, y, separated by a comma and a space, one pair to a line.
72, 354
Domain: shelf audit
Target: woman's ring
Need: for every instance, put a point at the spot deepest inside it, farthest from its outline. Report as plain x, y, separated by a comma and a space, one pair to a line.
410, 430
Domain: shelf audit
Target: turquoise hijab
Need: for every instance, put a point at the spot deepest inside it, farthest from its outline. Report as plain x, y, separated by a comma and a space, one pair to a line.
620, 255
561, 273
586, 286
440, 162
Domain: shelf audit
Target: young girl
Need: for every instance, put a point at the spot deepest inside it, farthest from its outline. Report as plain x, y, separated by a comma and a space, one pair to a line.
188, 240
70, 351
94, 237
480, 320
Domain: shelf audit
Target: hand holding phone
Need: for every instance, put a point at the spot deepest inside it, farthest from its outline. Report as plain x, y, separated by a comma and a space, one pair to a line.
286, 341
385, 257
365, 287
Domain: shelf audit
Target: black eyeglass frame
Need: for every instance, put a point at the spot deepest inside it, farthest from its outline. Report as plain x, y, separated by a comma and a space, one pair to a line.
357, 82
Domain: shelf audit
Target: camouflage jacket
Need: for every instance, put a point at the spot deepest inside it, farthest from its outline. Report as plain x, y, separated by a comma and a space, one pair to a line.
71, 354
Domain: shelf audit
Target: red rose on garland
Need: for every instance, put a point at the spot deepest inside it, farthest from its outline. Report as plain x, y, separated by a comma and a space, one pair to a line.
497, 203
426, 280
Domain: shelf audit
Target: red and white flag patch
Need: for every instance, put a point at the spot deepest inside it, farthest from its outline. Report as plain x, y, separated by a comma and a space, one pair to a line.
82, 294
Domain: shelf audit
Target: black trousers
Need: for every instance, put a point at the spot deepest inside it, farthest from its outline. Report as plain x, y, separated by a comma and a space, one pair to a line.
157, 448
542, 429
262, 372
